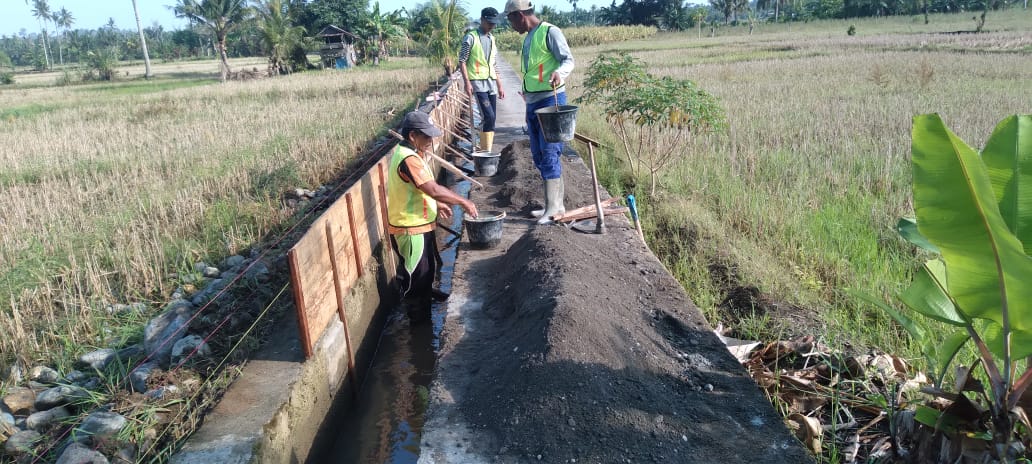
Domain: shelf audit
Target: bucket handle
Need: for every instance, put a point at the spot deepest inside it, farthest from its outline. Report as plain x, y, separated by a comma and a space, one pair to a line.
555, 97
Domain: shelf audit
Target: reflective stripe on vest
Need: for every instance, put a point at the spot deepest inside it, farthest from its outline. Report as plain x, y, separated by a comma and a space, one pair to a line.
407, 206
538, 66
477, 66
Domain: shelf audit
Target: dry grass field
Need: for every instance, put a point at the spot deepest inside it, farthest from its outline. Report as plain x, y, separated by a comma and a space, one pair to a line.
110, 189
800, 197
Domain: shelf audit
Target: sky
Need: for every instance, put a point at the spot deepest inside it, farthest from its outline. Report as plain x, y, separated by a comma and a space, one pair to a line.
91, 14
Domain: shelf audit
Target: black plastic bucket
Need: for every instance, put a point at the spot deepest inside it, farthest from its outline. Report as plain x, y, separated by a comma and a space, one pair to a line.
485, 164
557, 124
485, 231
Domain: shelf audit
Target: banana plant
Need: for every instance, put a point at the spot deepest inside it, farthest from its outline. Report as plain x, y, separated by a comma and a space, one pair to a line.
975, 212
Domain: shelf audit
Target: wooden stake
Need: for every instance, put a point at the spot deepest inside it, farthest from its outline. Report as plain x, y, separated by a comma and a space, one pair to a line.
445, 164
337, 288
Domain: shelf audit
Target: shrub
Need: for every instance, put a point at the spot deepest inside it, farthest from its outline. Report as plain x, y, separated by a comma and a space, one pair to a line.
101, 64
6, 78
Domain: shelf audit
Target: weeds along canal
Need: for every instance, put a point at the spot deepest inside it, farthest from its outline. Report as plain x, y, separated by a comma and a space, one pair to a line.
385, 422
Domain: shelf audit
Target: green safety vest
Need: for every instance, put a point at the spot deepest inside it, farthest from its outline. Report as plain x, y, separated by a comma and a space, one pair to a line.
538, 67
477, 67
407, 205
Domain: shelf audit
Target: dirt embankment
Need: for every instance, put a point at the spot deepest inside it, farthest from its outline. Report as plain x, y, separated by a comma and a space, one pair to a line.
573, 347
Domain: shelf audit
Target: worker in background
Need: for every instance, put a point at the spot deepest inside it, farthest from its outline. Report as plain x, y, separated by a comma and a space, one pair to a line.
545, 63
477, 62
414, 201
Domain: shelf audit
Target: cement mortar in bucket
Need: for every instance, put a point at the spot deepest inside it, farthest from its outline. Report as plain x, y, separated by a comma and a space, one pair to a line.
558, 123
485, 230
485, 164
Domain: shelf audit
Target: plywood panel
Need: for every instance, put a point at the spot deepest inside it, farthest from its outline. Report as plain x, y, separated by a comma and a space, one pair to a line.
317, 295
343, 251
367, 220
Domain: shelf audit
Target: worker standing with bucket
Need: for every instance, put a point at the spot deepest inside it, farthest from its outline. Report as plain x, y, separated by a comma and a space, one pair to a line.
477, 62
413, 197
545, 63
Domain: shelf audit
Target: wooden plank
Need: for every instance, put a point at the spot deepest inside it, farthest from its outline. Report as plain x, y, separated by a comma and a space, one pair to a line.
340, 293
582, 209
353, 230
299, 303
365, 210
343, 252
315, 280
392, 267
591, 213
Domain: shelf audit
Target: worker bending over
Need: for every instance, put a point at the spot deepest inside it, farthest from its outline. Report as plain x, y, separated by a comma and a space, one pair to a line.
413, 200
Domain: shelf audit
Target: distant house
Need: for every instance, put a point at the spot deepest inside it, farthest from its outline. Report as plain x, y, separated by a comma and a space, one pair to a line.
338, 51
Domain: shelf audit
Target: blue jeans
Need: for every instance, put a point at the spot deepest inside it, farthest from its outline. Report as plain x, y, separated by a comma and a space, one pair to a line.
487, 102
546, 155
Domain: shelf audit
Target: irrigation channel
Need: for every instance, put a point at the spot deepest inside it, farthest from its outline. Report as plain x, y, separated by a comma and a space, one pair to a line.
386, 423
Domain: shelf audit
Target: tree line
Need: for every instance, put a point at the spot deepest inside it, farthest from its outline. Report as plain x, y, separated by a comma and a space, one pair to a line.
284, 30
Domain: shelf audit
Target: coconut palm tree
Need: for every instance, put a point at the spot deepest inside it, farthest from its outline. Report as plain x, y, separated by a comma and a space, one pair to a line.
63, 19
143, 43
279, 35
41, 10
218, 16
443, 33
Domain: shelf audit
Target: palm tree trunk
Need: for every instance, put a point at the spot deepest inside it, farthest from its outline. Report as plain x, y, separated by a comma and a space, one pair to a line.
224, 67
143, 42
46, 54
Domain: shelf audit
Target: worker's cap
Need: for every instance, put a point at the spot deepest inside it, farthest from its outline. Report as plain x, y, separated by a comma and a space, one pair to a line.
489, 15
418, 120
517, 5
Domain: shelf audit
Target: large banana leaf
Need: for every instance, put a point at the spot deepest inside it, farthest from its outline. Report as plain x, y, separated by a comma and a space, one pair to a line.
987, 270
927, 297
1008, 159
907, 229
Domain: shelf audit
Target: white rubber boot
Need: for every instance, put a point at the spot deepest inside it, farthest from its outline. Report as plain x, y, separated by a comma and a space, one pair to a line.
553, 200
541, 212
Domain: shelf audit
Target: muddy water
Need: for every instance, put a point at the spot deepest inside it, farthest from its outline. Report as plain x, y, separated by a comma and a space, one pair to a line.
386, 423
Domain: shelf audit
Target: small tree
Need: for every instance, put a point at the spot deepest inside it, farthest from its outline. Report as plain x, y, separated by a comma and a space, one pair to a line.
380, 29
279, 36
442, 33
218, 16
653, 117
101, 64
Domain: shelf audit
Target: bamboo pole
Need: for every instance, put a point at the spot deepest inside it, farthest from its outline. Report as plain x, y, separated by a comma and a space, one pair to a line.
446, 165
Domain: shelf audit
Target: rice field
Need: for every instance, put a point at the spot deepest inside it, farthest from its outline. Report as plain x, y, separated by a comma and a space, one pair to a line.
801, 195
110, 190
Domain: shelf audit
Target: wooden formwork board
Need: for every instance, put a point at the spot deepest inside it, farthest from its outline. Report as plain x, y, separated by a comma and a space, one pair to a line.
366, 215
355, 226
312, 276
342, 240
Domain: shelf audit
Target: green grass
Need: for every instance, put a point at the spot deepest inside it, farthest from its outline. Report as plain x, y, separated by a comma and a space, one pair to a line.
142, 87
109, 189
27, 111
800, 196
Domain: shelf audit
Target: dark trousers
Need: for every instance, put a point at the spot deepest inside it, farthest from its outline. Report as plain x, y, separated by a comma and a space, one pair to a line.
487, 102
546, 155
418, 266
